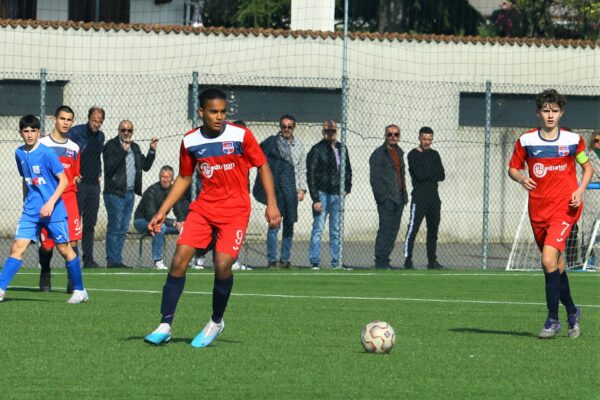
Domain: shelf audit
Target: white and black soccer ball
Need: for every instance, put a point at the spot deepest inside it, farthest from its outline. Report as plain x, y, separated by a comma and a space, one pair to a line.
378, 337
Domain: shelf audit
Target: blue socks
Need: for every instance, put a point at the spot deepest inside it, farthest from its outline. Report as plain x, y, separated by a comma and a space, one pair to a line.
552, 293
74, 271
11, 266
171, 293
221, 293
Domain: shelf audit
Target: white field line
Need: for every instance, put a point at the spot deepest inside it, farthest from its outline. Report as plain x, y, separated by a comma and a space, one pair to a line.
313, 297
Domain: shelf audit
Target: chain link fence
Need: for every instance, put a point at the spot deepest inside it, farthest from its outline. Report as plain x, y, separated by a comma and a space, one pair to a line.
481, 207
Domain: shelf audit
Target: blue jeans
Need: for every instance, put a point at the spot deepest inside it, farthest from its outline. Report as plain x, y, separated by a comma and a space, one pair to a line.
158, 241
118, 210
331, 206
286, 241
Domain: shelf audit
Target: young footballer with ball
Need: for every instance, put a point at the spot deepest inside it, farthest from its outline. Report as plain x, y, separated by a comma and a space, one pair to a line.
555, 200
224, 154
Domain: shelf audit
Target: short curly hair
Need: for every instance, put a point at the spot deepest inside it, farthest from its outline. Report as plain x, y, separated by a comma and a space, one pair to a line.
550, 96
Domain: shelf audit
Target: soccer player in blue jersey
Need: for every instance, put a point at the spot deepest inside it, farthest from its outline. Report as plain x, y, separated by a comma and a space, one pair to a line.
44, 181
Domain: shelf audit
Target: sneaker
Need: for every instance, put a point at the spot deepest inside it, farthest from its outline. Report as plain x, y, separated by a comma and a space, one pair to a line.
208, 335
551, 329
159, 264
285, 264
45, 282
408, 264
574, 330
79, 296
161, 335
273, 265
199, 264
70, 286
91, 264
2, 293
238, 266
315, 267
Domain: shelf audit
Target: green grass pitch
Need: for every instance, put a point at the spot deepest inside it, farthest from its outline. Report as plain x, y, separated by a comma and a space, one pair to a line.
295, 335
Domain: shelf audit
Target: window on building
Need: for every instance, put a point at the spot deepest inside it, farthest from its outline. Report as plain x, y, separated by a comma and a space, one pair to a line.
99, 10
268, 103
518, 111
18, 9
21, 97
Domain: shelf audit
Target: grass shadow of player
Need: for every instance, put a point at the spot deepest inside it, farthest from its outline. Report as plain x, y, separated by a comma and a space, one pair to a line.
491, 332
183, 340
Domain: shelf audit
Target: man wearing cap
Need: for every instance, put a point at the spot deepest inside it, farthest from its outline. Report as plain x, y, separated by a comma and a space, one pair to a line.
323, 175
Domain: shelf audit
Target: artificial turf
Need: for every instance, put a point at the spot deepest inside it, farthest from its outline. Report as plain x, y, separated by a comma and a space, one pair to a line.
295, 335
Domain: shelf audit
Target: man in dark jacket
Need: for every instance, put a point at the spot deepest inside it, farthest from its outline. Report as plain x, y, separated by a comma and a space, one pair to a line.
123, 165
426, 170
152, 199
388, 181
323, 175
286, 157
90, 139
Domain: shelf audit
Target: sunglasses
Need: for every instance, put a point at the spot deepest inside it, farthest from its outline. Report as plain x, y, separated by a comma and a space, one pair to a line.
330, 130
123, 130
393, 134
287, 126
596, 140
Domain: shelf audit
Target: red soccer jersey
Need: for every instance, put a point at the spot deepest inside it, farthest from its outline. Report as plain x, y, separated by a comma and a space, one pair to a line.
551, 164
224, 163
68, 154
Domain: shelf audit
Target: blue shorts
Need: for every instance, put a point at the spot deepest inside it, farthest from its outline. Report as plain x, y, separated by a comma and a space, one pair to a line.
58, 230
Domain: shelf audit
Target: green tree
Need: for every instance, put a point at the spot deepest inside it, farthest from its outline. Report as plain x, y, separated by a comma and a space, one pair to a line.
263, 14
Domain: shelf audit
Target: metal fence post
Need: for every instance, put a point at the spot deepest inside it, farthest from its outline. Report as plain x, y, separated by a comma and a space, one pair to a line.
42, 100
485, 234
195, 102
343, 135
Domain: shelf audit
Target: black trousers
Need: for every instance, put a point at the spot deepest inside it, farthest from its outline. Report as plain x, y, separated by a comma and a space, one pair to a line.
88, 200
428, 208
390, 214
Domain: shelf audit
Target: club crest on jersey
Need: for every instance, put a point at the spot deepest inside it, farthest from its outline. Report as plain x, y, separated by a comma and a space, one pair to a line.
35, 169
228, 147
563, 151
70, 153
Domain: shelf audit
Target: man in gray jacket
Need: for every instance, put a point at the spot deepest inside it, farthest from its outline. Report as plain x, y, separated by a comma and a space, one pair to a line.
387, 177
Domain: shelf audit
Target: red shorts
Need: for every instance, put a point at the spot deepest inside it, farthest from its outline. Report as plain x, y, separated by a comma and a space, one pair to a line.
197, 232
556, 229
73, 218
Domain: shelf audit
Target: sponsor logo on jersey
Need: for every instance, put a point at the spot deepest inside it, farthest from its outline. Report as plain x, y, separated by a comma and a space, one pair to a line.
563, 151
228, 147
540, 170
36, 169
208, 170
38, 180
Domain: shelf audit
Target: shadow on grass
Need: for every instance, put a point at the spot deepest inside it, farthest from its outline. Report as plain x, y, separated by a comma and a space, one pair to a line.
491, 332
181, 340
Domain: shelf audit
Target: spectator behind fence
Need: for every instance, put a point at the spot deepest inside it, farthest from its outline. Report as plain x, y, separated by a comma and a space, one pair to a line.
388, 181
287, 160
426, 171
68, 154
44, 181
152, 199
593, 199
90, 140
323, 175
123, 165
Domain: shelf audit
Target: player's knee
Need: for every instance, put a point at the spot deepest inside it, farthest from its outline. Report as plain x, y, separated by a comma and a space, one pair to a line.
66, 251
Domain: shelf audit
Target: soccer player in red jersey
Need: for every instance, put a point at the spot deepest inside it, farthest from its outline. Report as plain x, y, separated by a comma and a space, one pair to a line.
555, 199
68, 154
224, 153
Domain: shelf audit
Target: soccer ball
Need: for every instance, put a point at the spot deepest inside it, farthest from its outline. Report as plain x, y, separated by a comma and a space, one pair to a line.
378, 337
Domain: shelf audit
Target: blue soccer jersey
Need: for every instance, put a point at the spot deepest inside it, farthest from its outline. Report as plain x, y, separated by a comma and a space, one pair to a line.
39, 168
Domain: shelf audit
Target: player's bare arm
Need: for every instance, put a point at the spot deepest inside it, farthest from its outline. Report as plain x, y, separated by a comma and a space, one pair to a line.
523, 180
47, 208
577, 196
179, 187
272, 212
